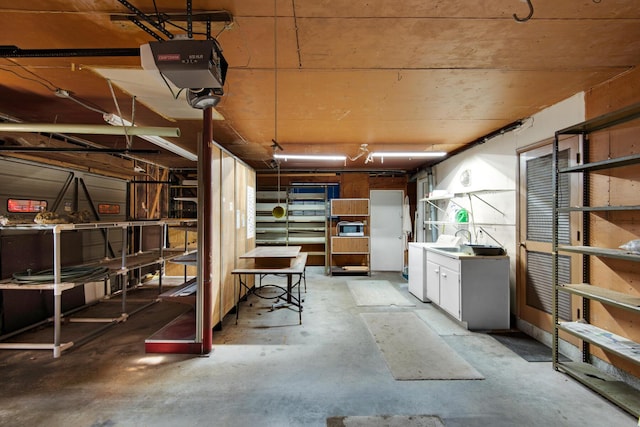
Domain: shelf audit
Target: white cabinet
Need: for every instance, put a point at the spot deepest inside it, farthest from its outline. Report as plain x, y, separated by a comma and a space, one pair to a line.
450, 291
417, 271
432, 284
473, 289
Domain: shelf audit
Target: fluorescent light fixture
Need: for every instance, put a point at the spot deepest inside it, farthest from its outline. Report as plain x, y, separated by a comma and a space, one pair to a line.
409, 154
320, 157
115, 120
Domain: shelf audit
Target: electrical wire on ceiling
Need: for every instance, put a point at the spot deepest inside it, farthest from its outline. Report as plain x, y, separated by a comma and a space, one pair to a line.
48, 84
38, 79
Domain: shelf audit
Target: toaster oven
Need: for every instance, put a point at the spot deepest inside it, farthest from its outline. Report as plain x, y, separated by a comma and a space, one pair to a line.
350, 228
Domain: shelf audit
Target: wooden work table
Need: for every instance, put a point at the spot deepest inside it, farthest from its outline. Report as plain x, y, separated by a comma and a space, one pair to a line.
274, 260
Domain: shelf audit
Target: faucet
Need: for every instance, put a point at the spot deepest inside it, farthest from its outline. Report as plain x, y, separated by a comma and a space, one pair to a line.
464, 231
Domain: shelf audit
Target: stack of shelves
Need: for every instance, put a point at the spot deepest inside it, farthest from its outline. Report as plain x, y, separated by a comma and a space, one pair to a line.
184, 198
435, 201
118, 266
598, 218
304, 222
269, 229
350, 255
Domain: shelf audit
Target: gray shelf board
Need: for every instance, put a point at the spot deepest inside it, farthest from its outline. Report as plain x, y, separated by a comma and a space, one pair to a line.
307, 230
271, 241
307, 240
604, 339
305, 208
618, 392
623, 115
606, 296
307, 196
269, 219
599, 208
604, 252
604, 164
306, 218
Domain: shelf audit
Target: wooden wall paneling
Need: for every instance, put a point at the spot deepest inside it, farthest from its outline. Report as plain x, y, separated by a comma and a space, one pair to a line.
388, 183
354, 185
227, 232
215, 238
244, 178
176, 240
614, 94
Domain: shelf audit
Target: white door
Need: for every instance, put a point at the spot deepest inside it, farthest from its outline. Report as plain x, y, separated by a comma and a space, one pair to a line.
387, 244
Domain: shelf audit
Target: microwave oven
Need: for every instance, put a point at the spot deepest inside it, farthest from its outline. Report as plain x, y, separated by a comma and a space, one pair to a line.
350, 228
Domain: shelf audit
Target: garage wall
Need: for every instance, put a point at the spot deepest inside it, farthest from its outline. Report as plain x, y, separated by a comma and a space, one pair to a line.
494, 165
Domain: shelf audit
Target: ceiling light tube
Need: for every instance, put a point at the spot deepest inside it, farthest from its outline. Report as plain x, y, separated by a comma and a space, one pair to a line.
409, 154
118, 122
87, 129
322, 157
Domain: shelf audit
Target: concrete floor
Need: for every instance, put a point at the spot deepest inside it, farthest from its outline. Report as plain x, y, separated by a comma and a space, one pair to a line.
270, 371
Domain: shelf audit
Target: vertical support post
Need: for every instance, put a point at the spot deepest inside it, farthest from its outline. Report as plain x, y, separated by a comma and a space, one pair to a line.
164, 233
554, 250
57, 292
123, 268
586, 241
186, 250
204, 306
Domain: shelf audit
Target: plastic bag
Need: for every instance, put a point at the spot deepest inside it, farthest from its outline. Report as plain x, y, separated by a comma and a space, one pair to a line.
632, 246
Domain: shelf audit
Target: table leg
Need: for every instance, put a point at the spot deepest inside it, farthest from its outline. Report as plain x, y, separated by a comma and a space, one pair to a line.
299, 303
235, 283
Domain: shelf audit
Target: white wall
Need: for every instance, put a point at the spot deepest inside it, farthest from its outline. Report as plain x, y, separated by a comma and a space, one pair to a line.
494, 165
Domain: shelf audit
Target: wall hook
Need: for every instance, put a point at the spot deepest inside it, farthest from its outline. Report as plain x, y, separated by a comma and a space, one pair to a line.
528, 16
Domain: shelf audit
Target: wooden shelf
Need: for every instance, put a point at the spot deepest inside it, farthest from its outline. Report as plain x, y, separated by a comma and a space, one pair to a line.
350, 255
603, 252
604, 164
604, 339
623, 395
603, 295
349, 245
349, 207
599, 209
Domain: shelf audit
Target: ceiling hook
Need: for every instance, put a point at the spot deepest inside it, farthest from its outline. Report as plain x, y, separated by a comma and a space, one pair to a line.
528, 16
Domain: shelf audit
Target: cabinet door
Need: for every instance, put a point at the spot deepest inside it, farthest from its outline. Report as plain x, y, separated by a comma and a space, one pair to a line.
450, 291
432, 277
416, 271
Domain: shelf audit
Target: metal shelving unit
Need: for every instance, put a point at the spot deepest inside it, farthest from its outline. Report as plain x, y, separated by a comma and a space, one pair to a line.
126, 262
350, 247
470, 196
304, 222
617, 391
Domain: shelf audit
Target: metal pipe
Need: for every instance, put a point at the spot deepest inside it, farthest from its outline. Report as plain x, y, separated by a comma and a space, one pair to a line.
57, 293
89, 129
204, 307
16, 52
20, 149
